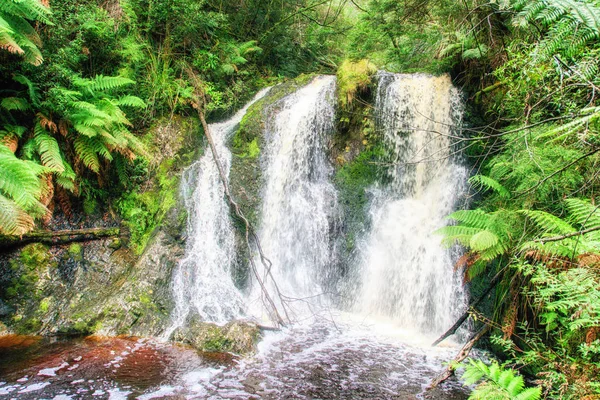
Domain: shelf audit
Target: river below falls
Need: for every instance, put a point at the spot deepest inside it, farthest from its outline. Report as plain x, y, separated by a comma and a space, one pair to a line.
326, 359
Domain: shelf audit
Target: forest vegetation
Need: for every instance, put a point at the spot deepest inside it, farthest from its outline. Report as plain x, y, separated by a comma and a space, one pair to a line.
82, 81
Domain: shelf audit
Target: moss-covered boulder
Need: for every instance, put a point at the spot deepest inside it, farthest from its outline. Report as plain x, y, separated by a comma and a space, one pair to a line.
238, 337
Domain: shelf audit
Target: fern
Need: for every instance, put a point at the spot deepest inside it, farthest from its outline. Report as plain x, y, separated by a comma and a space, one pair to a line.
583, 213
571, 24
48, 149
15, 104
485, 182
16, 33
20, 191
548, 223
498, 383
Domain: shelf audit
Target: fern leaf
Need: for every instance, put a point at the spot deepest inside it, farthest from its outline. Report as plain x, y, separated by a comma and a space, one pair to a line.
474, 218
13, 219
583, 212
130, 101
15, 104
547, 222
86, 153
485, 182
48, 149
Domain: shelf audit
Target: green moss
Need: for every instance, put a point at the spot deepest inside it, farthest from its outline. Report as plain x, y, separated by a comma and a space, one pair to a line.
27, 270
354, 78
352, 181
45, 305
144, 212
216, 341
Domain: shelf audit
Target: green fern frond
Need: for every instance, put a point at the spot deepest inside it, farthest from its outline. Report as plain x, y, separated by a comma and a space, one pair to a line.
483, 240
583, 212
19, 179
15, 104
13, 219
101, 83
547, 222
475, 218
48, 149
32, 89
66, 179
498, 383
485, 182
130, 101
86, 153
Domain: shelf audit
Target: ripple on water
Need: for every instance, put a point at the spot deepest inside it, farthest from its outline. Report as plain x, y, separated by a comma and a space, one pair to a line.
319, 360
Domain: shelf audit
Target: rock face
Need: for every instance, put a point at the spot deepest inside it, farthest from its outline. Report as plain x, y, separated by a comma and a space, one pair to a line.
103, 286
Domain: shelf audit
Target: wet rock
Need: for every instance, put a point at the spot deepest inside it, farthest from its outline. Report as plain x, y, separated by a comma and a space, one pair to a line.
105, 286
239, 337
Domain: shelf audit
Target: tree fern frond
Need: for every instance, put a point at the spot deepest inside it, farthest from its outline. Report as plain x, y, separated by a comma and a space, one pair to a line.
483, 240
547, 222
475, 218
86, 153
485, 182
31, 88
15, 104
130, 101
102, 83
583, 212
48, 149
13, 219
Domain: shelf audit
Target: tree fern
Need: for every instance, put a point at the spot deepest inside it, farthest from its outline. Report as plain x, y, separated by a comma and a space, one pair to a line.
15, 104
16, 33
571, 24
547, 222
583, 213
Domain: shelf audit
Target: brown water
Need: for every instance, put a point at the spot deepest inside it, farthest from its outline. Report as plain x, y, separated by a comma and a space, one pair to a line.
316, 361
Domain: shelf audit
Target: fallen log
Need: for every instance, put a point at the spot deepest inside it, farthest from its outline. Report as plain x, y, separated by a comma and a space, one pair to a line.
55, 238
462, 354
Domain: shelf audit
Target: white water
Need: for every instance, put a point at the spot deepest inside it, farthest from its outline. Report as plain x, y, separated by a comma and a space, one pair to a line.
406, 273
202, 282
299, 200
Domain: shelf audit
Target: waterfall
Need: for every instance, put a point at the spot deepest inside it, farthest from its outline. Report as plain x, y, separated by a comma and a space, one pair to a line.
299, 200
406, 273
203, 277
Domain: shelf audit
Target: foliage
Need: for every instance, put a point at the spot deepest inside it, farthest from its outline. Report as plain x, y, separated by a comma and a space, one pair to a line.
498, 383
352, 79
16, 33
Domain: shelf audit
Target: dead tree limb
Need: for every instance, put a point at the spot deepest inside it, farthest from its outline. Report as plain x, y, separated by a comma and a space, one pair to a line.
467, 313
200, 105
55, 238
568, 235
462, 354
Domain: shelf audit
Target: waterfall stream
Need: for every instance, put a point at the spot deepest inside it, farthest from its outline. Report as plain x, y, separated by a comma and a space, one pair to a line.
406, 273
299, 200
203, 277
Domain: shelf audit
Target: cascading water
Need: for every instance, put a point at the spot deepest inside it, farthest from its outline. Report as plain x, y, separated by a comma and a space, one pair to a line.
406, 273
202, 279
299, 200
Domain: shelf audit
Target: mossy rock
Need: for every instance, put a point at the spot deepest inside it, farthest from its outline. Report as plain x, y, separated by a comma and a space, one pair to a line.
238, 337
